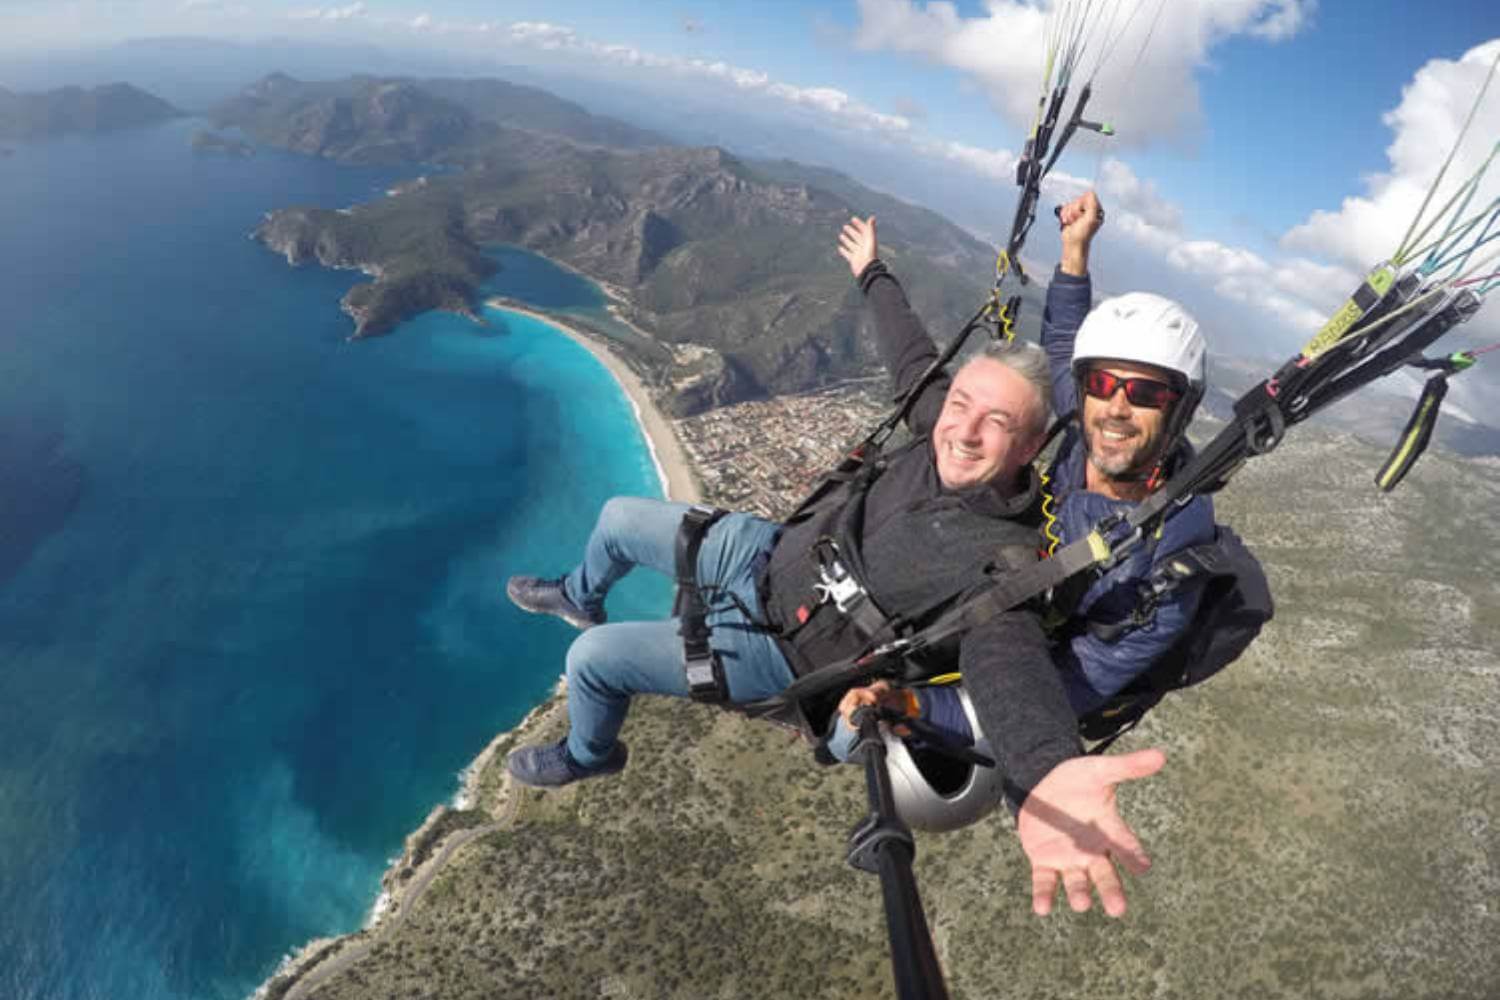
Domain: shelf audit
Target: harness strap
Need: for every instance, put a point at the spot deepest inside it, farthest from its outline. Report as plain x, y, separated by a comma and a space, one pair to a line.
705, 672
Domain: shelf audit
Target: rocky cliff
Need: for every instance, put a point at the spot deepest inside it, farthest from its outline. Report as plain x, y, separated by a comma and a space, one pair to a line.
430, 264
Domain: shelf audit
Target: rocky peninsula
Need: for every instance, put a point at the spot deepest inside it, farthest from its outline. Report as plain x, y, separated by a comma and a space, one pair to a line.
731, 259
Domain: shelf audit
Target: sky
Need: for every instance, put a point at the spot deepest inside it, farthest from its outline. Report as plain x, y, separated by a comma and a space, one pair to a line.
1268, 152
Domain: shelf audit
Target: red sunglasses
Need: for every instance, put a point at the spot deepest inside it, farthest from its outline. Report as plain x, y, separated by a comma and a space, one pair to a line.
1148, 392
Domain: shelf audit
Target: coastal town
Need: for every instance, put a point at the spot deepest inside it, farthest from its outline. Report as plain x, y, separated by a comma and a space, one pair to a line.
764, 456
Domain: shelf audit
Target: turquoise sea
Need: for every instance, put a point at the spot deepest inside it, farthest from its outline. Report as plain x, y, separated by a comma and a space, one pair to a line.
251, 618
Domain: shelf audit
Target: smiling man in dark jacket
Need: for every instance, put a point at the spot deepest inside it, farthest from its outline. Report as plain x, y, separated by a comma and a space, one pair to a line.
1131, 371
936, 519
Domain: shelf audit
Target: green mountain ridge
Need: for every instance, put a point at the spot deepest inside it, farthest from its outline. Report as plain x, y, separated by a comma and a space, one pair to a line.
707, 250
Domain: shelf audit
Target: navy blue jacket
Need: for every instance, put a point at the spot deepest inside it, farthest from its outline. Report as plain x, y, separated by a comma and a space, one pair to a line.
1093, 669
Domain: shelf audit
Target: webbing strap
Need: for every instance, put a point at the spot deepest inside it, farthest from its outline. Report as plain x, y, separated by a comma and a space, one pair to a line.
1015, 589
705, 673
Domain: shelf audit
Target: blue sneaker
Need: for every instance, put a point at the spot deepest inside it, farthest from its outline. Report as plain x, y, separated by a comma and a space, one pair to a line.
551, 766
547, 597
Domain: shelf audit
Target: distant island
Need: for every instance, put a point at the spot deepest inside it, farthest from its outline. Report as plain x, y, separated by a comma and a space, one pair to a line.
212, 142
74, 109
729, 257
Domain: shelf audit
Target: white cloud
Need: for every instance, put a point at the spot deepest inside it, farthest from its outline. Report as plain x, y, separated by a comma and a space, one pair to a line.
213, 7
1425, 125
1296, 293
543, 35
345, 13
997, 164
832, 103
1155, 93
1282, 19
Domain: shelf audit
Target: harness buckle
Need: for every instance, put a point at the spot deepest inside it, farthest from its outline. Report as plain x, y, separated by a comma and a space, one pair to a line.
705, 677
838, 585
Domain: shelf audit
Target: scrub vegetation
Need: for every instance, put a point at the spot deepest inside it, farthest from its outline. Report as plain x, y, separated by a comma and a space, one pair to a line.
1324, 827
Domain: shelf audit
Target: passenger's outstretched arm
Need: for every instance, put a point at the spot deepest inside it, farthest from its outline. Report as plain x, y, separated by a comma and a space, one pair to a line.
1067, 820
1072, 832
901, 340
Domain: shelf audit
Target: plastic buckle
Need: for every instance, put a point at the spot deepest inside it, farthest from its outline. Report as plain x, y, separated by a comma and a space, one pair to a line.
837, 585
700, 514
705, 678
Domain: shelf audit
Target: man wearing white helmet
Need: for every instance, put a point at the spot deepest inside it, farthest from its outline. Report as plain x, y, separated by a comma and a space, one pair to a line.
762, 603
1132, 371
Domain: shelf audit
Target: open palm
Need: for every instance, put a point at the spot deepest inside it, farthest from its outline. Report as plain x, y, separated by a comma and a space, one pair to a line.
1071, 831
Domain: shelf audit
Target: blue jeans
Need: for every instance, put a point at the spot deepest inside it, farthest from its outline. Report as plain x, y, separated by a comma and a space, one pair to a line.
610, 663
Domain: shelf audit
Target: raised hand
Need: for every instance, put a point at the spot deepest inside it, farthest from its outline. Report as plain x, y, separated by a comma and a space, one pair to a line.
1079, 220
857, 244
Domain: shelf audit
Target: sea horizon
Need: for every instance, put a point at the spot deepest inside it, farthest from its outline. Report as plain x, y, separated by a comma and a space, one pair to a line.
251, 619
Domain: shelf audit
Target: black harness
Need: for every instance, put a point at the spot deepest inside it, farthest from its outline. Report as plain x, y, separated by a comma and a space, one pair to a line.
704, 670
1236, 604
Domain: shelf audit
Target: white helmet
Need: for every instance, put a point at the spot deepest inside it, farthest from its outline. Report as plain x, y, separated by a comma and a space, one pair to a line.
1148, 329
937, 793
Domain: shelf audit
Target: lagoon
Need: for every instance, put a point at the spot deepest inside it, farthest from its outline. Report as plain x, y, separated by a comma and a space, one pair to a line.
251, 617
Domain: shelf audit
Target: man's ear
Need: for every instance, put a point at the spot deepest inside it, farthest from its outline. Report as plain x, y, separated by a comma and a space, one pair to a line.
1033, 447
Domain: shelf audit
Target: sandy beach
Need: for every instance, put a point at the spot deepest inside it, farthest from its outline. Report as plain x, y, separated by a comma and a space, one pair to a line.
672, 466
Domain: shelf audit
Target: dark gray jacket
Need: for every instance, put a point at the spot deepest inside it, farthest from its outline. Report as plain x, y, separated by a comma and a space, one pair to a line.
922, 545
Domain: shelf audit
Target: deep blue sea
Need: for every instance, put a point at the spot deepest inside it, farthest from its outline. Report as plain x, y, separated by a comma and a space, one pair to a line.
251, 617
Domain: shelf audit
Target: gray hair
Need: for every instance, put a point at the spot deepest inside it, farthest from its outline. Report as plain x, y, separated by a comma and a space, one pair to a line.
1029, 361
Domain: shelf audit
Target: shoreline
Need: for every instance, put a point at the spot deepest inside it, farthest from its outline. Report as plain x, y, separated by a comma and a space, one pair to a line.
675, 474
291, 976
673, 469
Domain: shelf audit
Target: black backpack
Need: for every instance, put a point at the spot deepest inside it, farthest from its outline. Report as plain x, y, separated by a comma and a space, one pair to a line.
1236, 604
